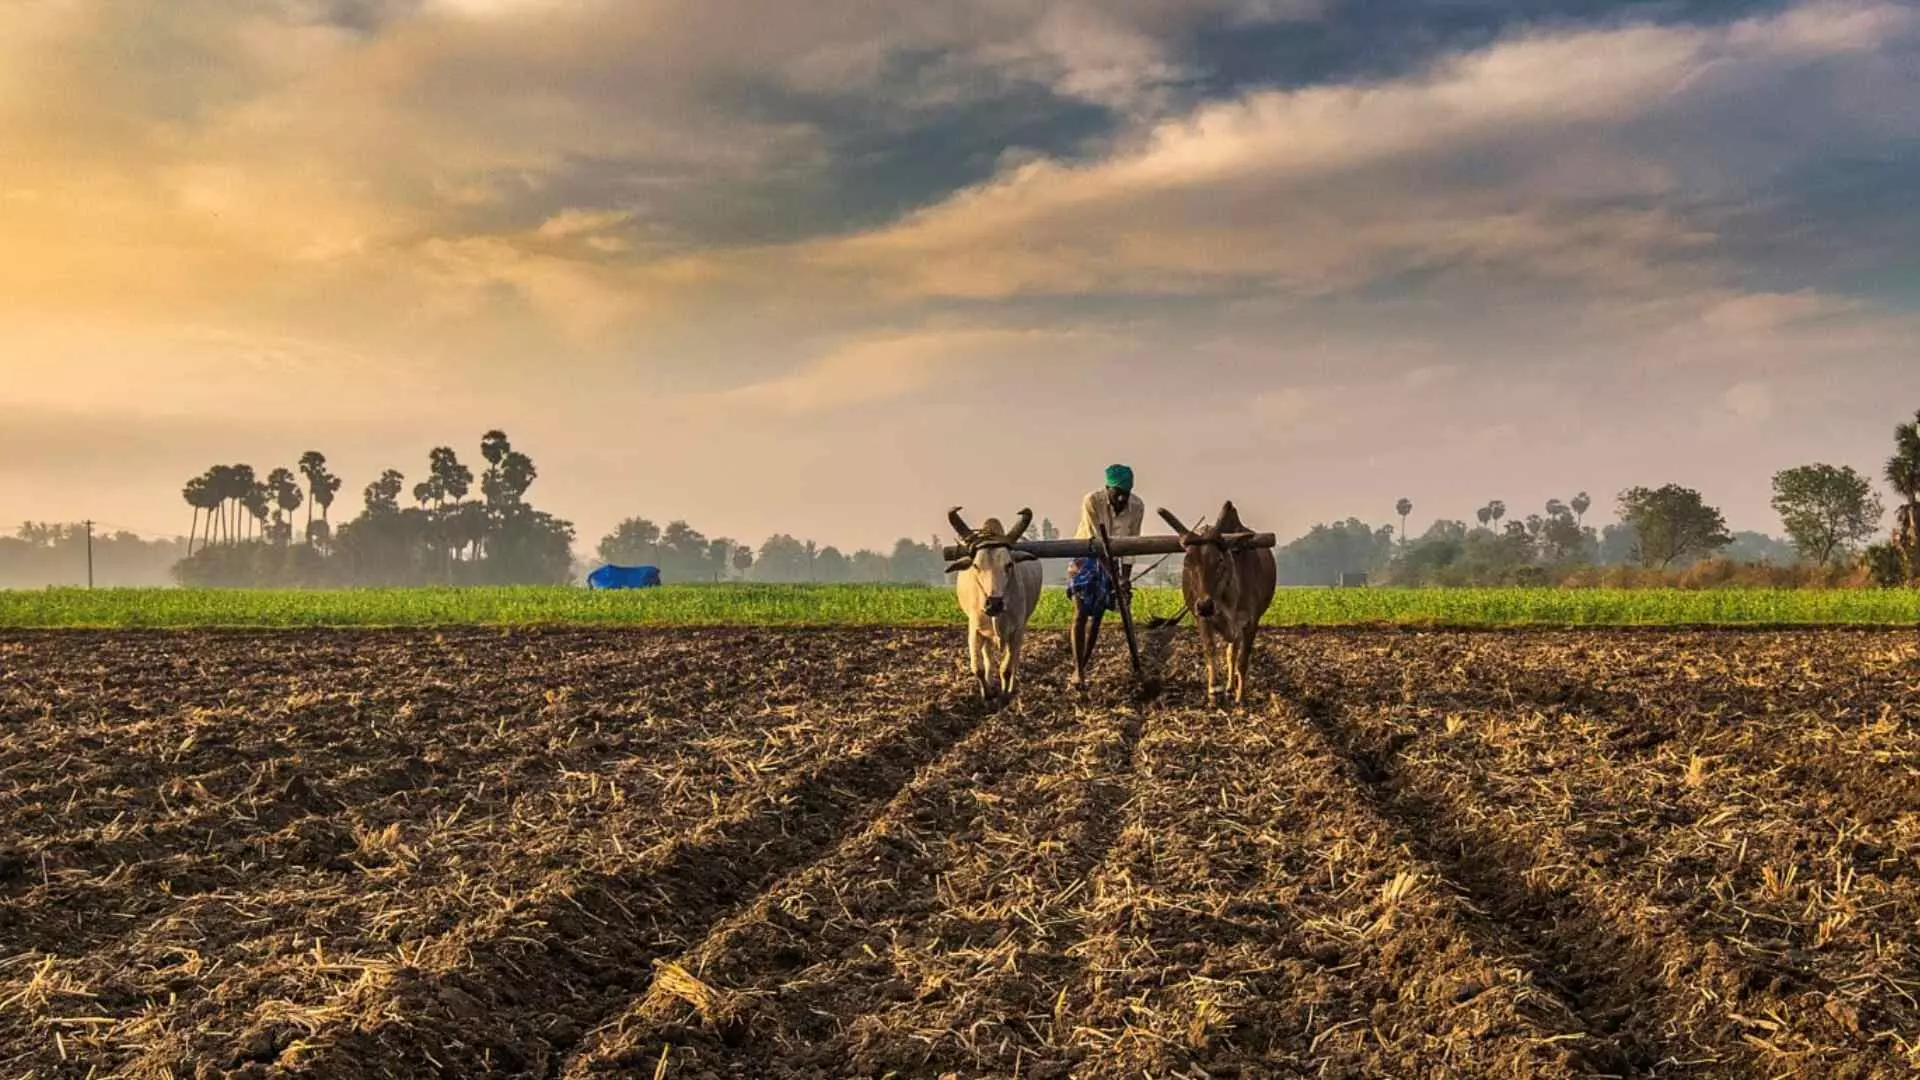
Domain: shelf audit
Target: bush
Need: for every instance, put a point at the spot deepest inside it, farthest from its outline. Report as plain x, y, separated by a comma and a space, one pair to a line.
1884, 566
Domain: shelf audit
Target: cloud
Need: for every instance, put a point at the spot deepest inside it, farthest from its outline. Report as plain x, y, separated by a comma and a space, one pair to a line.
1364, 246
1540, 155
892, 366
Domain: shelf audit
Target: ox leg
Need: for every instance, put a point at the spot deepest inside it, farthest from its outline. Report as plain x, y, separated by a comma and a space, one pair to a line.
977, 661
1207, 654
1010, 664
1243, 656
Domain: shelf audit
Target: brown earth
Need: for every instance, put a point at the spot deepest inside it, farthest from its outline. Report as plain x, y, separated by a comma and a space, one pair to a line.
811, 854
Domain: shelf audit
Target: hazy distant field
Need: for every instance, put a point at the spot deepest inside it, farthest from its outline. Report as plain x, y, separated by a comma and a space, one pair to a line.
858, 605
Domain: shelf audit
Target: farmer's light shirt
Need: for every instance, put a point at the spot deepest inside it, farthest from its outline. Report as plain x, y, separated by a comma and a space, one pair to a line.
1096, 510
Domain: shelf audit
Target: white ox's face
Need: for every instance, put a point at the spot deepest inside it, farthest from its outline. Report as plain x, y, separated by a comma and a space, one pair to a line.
992, 570
993, 567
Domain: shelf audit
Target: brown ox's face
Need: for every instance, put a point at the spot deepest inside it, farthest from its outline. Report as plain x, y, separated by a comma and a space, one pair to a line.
1209, 571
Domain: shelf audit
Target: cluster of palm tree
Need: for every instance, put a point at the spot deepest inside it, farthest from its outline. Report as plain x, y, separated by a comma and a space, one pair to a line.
456, 528
446, 527
232, 505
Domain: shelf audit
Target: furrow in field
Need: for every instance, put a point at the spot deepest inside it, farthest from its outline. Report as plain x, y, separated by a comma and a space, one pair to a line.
1673, 884
934, 942
237, 974
509, 995
1257, 919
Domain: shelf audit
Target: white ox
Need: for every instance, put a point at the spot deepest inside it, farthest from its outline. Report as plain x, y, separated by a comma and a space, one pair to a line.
998, 588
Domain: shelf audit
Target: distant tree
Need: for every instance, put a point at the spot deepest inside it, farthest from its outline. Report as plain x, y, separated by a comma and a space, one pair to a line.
322, 486
916, 563
719, 557
1485, 514
1047, 531
868, 566
1328, 551
1404, 508
1580, 505
1903, 472
1756, 547
202, 495
313, 467
240, 485
258, 503
832, 567
383, 495
1672, 523
286, 497
633, 542
683, 553
782, 559
1619, 545
1496, 510
451, 480
742, 560
1827, 510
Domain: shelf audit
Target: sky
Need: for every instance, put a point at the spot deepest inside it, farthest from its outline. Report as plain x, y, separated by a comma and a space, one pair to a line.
831, 266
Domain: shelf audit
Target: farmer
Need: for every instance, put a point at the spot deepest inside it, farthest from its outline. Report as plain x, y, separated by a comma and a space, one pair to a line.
1092, 589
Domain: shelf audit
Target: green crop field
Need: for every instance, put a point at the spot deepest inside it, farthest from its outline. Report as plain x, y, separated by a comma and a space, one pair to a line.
875, 605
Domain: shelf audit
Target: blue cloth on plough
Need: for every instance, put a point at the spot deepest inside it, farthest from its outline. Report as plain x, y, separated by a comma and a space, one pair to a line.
1091, 587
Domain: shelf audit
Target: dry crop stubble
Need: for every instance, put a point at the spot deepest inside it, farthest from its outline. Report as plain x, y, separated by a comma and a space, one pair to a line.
1676, 836
609, 768
810, 853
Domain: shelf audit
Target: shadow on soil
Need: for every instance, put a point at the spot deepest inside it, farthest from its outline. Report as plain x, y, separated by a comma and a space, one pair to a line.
1604, 978
522, 1001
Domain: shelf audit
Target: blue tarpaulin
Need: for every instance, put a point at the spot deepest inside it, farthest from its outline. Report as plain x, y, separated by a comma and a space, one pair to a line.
624, 577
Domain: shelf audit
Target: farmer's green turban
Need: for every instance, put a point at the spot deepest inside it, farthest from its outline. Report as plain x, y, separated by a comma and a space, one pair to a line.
1119, 476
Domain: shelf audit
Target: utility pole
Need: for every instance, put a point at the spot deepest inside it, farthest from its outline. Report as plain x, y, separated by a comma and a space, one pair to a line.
89, 525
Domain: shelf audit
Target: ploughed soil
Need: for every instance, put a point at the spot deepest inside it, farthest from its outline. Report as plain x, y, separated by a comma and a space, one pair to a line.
785, 854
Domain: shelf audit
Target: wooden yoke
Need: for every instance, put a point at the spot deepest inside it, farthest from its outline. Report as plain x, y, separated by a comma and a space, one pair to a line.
1123, 547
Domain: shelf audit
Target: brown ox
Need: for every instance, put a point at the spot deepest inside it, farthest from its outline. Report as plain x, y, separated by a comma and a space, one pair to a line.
998, 588
1228, 588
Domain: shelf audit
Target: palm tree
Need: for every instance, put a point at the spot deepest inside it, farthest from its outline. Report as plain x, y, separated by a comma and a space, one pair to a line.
258, 501
325, 488
1903, 472
313, 466
453, 479
1403, 508
240, 485
1485, 514
1496, 510
1580, 504
197, 495
223, 491
286, 499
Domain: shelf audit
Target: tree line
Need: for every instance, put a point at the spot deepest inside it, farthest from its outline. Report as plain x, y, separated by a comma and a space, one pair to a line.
243, 526
41, 553
684, 554
1830, 515
455, 526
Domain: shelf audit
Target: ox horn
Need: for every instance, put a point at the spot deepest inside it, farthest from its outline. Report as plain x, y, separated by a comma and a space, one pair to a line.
960, 527
1020, 522
1185, 534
